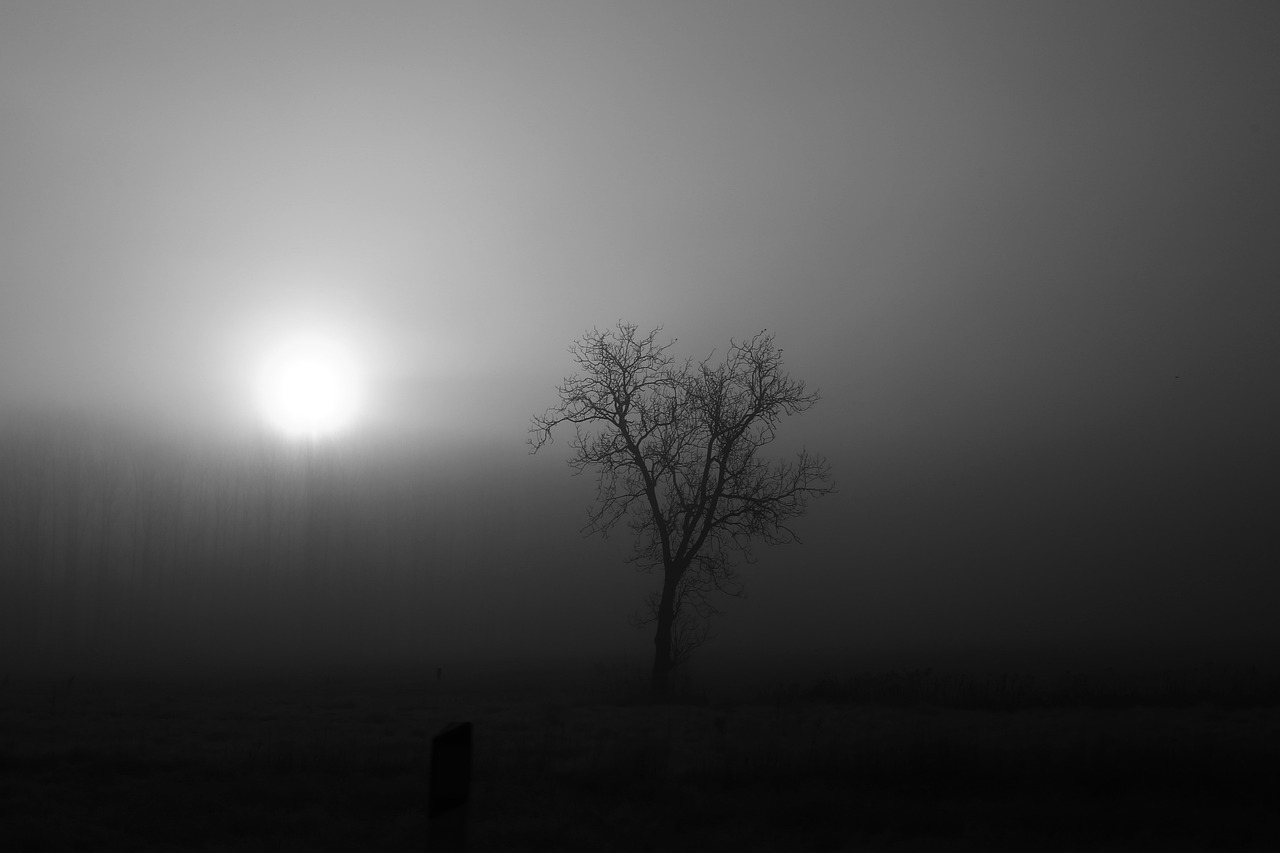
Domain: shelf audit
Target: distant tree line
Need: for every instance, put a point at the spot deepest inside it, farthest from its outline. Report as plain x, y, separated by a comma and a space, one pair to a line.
118, 542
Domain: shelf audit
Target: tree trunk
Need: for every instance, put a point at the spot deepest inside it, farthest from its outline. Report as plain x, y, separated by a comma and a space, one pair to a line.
663, 659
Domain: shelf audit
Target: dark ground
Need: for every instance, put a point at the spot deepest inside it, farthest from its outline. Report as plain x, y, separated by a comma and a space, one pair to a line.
894, 761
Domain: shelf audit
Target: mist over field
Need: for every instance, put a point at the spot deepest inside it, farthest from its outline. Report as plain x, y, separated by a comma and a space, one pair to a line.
130, 551
1025, 253
137, 552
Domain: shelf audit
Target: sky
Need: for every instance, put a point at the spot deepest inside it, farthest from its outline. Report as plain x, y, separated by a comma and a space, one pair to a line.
1026, 253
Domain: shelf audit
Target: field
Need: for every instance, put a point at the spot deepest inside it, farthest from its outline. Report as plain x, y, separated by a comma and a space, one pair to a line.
897, 761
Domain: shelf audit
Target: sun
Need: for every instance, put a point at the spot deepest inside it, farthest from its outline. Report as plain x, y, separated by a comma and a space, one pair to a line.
309, 387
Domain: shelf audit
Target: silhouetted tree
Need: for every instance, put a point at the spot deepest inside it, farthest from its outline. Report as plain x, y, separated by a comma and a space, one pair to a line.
677, 451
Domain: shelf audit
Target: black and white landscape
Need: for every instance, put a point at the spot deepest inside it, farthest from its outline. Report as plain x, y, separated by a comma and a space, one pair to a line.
925, 360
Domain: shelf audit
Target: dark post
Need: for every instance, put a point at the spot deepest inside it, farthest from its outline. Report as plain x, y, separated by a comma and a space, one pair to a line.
450, 788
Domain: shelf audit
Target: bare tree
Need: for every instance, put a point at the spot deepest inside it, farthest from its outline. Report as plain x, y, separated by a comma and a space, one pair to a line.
677, 453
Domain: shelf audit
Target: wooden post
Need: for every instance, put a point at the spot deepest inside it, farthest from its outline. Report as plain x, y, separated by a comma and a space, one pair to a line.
450, 788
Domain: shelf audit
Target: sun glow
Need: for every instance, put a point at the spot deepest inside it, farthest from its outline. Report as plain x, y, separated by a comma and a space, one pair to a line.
309, 388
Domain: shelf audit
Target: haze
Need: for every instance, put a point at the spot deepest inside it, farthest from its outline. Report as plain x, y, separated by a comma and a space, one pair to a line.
1026, 253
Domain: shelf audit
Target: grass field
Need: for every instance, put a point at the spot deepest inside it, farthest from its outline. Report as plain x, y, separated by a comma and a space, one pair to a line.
894, 761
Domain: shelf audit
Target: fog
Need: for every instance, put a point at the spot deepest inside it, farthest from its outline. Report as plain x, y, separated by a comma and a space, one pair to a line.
129, 550
136, 552
1025, 253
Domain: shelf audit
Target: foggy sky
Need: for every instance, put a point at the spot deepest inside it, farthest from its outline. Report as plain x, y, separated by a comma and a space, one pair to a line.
1026, 252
